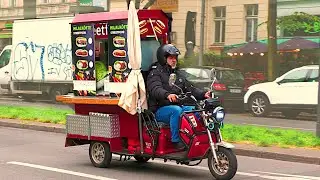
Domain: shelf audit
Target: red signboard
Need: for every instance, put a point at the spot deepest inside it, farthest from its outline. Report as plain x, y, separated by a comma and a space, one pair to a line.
158, 26
100, 31
151, 27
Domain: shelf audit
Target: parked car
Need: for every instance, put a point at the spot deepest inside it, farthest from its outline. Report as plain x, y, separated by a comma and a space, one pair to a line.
294, 92
226, 83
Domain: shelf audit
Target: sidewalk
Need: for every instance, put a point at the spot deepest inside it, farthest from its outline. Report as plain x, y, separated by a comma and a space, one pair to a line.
292, 155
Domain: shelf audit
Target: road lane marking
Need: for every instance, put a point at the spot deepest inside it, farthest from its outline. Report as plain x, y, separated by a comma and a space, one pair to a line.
274, 177
60, 170
279, 177
297, 176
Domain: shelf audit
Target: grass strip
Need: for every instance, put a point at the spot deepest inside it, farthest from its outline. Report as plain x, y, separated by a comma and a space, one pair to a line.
263, 136
260, 136
38, 114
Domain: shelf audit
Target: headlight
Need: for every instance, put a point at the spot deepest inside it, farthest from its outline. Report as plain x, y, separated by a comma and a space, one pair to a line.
219, 114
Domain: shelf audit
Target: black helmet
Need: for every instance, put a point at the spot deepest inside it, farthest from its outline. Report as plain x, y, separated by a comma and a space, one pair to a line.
164, 51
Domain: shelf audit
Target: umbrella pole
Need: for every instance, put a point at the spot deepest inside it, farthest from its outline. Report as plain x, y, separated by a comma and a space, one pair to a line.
140, 119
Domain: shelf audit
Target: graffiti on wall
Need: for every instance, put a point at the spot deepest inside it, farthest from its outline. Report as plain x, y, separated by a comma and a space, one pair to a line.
33, 61
60, 58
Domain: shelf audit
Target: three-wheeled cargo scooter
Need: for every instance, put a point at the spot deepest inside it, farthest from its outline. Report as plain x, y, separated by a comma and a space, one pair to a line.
108, 128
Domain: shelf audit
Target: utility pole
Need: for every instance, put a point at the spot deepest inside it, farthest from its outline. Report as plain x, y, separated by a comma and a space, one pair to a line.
318, 109
272, 39
29, 9
203, 7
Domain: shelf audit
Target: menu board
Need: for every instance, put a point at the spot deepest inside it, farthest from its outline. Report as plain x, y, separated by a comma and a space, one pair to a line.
118, 56
83, 59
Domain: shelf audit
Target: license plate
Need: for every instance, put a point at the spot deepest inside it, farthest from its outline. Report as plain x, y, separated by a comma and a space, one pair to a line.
235, 90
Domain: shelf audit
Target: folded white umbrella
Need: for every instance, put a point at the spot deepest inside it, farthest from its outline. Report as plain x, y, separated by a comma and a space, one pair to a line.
134, 96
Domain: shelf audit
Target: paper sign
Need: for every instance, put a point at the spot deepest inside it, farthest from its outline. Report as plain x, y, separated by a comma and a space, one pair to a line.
79, 85
115, 87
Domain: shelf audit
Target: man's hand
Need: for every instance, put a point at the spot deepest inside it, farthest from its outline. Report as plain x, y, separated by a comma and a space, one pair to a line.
208, 95
172, 98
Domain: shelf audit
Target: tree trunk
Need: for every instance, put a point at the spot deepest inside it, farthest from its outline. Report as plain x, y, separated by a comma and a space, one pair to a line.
149, 4
272, 40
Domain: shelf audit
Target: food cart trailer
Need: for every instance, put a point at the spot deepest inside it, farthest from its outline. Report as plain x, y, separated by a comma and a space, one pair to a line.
99, 52
100, 55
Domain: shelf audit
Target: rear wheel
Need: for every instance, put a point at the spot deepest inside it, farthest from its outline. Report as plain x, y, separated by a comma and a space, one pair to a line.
259, 105
228, 164
100, 154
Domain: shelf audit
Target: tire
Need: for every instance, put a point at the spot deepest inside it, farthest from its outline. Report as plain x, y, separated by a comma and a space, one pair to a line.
231, 164
259, 105
100, 149
28, 98
53, 93
291, 114
141, 159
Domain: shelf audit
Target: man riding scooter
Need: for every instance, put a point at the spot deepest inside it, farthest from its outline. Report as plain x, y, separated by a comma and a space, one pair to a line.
163, 97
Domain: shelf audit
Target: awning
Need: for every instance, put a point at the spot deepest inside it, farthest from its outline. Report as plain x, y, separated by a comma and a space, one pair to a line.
280, 40
116, 15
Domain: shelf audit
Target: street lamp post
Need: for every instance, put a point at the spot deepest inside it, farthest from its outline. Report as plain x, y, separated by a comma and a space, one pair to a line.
318, 108
203, 5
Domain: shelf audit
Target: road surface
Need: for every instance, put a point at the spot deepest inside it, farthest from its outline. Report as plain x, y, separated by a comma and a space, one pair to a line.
33, 155
245, 119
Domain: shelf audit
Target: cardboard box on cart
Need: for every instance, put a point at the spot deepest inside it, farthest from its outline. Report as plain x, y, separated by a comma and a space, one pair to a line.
100, 49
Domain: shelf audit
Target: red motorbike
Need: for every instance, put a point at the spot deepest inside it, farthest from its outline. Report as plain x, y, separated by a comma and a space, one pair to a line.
199, 130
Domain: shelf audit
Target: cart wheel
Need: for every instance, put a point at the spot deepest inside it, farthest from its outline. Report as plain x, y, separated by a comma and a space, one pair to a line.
141, 159
100, 154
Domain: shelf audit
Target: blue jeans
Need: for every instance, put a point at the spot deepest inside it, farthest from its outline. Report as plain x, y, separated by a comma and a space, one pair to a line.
171, 115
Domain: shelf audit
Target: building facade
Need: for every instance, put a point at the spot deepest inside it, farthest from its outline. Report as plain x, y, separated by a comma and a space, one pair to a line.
227, 22
11, 10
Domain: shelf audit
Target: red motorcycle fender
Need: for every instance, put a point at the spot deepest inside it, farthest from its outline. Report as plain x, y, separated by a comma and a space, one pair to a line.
221, 144
226, 145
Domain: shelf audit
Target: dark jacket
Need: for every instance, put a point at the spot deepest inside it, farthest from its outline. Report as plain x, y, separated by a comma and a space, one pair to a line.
158, 87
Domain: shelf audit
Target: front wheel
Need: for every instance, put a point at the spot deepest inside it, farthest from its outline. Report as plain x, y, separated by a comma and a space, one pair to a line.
100, 154
228, 164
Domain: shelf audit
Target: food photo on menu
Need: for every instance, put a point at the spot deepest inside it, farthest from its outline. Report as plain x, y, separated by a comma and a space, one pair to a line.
119, 41
81, 42
119, 53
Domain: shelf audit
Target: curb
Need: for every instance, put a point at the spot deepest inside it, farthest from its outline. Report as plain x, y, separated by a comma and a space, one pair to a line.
33, 127
238, 151
277, 156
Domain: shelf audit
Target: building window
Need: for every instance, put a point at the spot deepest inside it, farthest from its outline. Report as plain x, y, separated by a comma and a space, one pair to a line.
251, 22
12, 3
219, 24
44, 1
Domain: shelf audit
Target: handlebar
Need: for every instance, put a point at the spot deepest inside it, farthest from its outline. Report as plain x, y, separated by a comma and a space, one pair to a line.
189, 99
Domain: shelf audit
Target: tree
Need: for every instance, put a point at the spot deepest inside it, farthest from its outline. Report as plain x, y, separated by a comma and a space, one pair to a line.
299, 21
